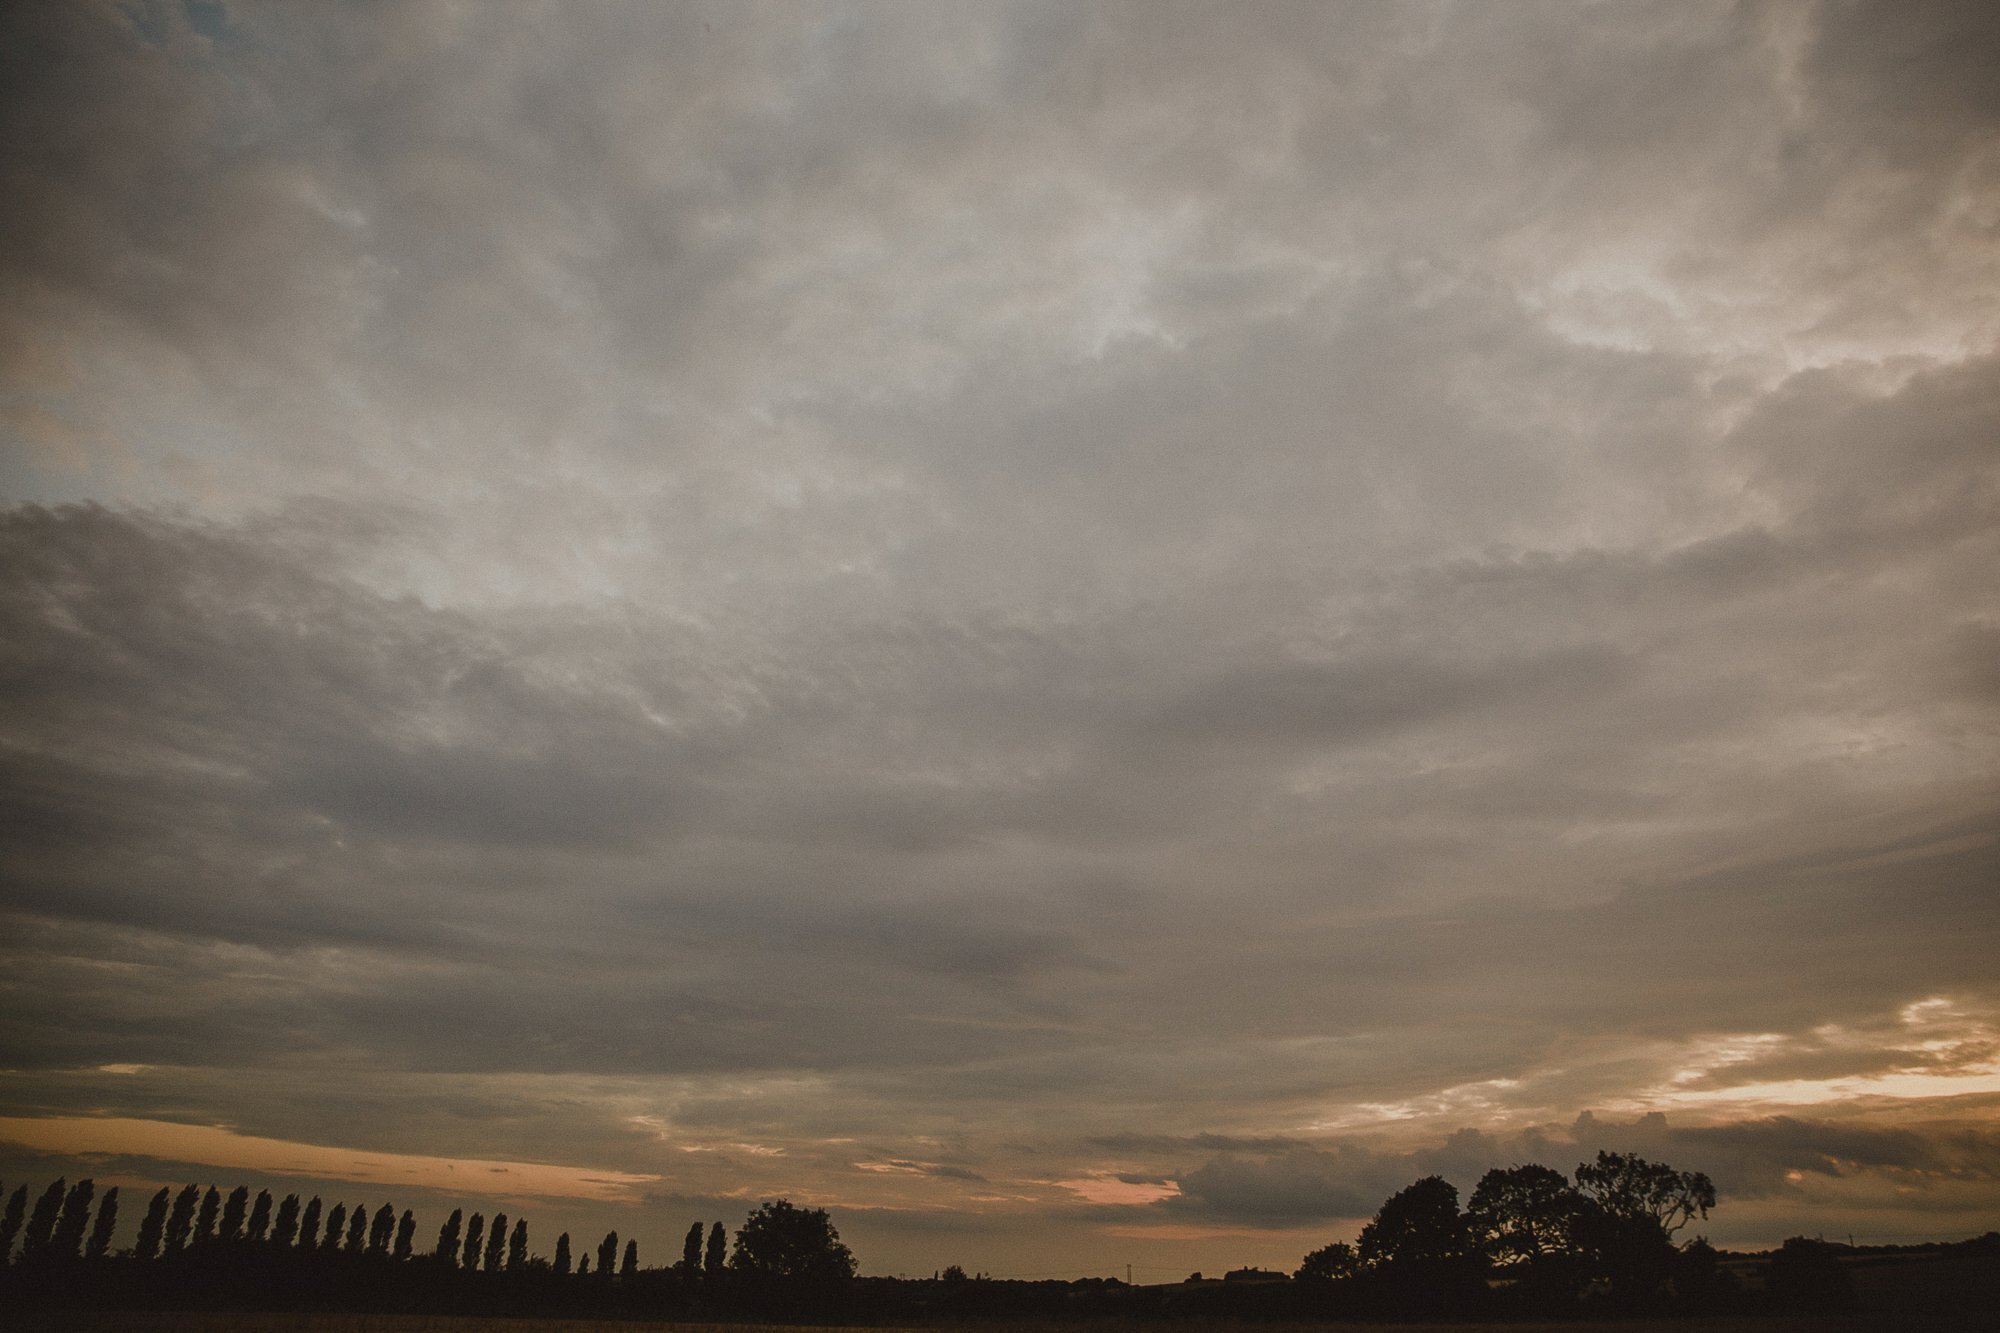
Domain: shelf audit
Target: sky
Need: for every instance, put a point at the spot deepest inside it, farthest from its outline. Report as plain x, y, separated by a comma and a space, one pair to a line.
1087, 634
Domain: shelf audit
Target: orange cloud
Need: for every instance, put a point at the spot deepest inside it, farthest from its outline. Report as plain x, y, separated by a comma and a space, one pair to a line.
213, 1145
1110, 1189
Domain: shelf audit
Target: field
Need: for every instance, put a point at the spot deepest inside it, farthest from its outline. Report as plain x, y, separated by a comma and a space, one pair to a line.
334, 1323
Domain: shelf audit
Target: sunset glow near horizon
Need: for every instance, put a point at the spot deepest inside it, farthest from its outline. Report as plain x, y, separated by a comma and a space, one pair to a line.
1087, 634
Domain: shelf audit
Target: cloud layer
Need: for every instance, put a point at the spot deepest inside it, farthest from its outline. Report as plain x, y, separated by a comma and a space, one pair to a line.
914, 609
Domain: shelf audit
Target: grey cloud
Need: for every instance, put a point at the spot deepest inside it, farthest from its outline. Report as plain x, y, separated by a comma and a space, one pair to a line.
1130, 568
227, 668
1748, 1160
1166, 1143
1339, 702
1302, 1185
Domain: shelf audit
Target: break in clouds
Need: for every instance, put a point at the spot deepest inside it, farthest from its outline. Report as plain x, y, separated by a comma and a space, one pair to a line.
1084, 633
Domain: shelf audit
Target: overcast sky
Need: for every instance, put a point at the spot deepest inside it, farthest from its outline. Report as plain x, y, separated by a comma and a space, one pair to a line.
1083, 633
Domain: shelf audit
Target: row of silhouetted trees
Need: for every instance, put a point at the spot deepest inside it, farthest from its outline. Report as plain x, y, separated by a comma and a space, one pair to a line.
60, 1228
56, 1229
199, 1246
1533, 1235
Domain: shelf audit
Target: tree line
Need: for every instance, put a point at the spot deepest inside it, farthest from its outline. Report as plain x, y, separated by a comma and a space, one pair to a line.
202, 1248
1530, 1241
1531, 1237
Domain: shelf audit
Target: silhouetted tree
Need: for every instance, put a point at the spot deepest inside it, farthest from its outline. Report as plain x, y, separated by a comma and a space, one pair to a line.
10, 1221
691, 1252
107, 1222
152, 1227
180, 1222
780, 1240
562, 1255
381, 1229
42, 1222
711, 1264
406, 1235
336, 1220
1524, 1217
1419, 1250
309, 1225
475, 1235
67, 1243
1329, 1263
447, 1246
517, 1246
260, 1217
607, 1255
630, 1268
1635, 1208
357, 1228
1631, 1187
1417, 1224
285, 1228
204, 1220
234, 1210
583, 1266
496, 1242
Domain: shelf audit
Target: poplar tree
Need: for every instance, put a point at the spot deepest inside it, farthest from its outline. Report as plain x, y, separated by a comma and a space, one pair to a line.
204, 1221
42, 1222
180, 1222
260, 1217
406, 1232
607, 1254
381, 1229
107, 1222
336, 1219
583, 1266
712, 1262
517, 1246
562, 1255
357, 1228
496, 1242
285, 1229
447, 1246
630, 1268
475, 1236
10, 1222
234, 1211
153, 1227
309, 1225
691, 1252
67, 1242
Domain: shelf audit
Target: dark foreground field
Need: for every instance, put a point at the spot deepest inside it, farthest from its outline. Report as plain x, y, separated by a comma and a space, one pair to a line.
107, 1322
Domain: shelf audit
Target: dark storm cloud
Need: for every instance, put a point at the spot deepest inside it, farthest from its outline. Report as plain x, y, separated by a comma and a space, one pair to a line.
912, 577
